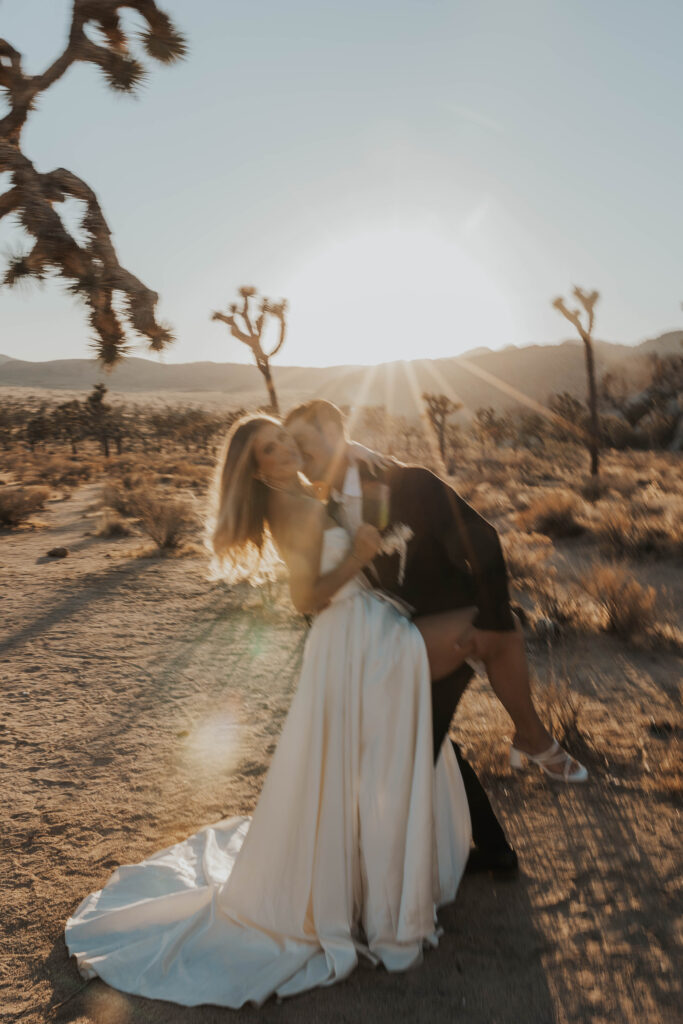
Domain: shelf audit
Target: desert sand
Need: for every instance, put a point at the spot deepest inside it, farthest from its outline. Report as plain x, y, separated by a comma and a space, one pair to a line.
141, 701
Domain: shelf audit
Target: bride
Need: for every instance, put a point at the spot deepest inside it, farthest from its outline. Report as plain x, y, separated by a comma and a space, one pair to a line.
356, 838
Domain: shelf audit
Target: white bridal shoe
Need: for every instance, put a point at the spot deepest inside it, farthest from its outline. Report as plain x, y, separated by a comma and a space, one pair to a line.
547, 757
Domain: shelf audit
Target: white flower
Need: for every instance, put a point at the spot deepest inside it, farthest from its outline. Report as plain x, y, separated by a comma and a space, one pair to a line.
397, 541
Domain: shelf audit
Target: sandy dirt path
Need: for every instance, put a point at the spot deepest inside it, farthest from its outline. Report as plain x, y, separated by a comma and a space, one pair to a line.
140, 701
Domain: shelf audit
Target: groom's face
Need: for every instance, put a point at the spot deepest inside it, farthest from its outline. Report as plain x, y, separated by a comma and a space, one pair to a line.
318, 447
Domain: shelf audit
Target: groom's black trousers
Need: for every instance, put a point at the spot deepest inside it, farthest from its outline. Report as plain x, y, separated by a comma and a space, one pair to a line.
487, 833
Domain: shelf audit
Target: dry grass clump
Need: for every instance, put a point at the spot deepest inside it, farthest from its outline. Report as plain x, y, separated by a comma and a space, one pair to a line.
556, 513
629, 609
168, 522
112, 525
561, 709
18, 503
526, 556
643, 529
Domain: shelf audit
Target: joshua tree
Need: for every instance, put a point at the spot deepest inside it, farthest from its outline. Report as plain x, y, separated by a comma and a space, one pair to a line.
70, 420
439, 408
98, 412
246, 329
488, 426
587, 300
91, 269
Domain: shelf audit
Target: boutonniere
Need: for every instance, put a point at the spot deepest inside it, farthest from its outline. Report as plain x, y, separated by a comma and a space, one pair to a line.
396, 541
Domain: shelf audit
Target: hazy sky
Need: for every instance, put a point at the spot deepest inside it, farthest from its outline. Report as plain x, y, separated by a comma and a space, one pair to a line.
417, 178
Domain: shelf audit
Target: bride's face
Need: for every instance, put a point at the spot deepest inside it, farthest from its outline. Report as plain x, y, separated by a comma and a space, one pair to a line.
276, 454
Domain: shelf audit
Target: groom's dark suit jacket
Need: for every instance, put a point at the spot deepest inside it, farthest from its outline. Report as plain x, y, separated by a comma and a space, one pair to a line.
454, 558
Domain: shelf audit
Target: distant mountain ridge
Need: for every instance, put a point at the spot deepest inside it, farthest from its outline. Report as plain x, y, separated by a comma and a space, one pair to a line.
481, 377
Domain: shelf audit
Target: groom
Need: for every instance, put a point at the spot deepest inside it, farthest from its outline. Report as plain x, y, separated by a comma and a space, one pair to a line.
454, 560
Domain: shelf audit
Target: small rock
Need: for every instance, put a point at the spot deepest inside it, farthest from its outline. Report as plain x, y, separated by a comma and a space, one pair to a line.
58, 553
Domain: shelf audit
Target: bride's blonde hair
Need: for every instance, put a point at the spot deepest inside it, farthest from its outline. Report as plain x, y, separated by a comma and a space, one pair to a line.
237, 531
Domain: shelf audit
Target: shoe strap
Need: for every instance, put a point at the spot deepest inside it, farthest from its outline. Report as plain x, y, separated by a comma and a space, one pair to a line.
549, 755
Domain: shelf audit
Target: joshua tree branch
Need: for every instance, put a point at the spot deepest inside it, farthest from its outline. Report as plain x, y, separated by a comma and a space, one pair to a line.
92, 270
281, 340
9, 202
277, 310
234, 329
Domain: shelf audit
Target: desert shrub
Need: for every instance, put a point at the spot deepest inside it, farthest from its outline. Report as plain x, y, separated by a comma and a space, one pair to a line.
137, 480
618, 433
183, 473
555, 513
562, 605
526, 555
119, 498
61, 471
18, 503
639, 531
622, 483
488, 501
628, 607
38, 468
167, 521
658, 428
112, 525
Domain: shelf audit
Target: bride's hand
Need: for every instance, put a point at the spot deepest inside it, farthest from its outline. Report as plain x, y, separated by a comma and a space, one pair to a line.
366, 543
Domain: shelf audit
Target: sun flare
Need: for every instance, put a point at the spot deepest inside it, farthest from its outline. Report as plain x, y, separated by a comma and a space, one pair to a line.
391, 294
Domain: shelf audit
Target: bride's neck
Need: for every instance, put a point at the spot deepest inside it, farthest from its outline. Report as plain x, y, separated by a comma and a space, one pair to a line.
288, 485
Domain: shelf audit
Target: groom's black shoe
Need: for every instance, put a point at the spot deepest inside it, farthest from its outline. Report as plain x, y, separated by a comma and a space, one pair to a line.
501, 862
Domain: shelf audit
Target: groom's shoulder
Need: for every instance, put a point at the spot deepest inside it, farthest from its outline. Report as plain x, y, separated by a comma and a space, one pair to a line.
414, 477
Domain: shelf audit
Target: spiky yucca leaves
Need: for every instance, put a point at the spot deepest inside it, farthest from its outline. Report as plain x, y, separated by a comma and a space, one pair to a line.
250, 332
91, 271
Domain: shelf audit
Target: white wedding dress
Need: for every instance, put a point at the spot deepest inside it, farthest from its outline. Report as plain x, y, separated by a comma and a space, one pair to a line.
355, 840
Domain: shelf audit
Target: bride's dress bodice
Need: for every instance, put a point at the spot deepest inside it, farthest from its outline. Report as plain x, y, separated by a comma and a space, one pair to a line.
336, 543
